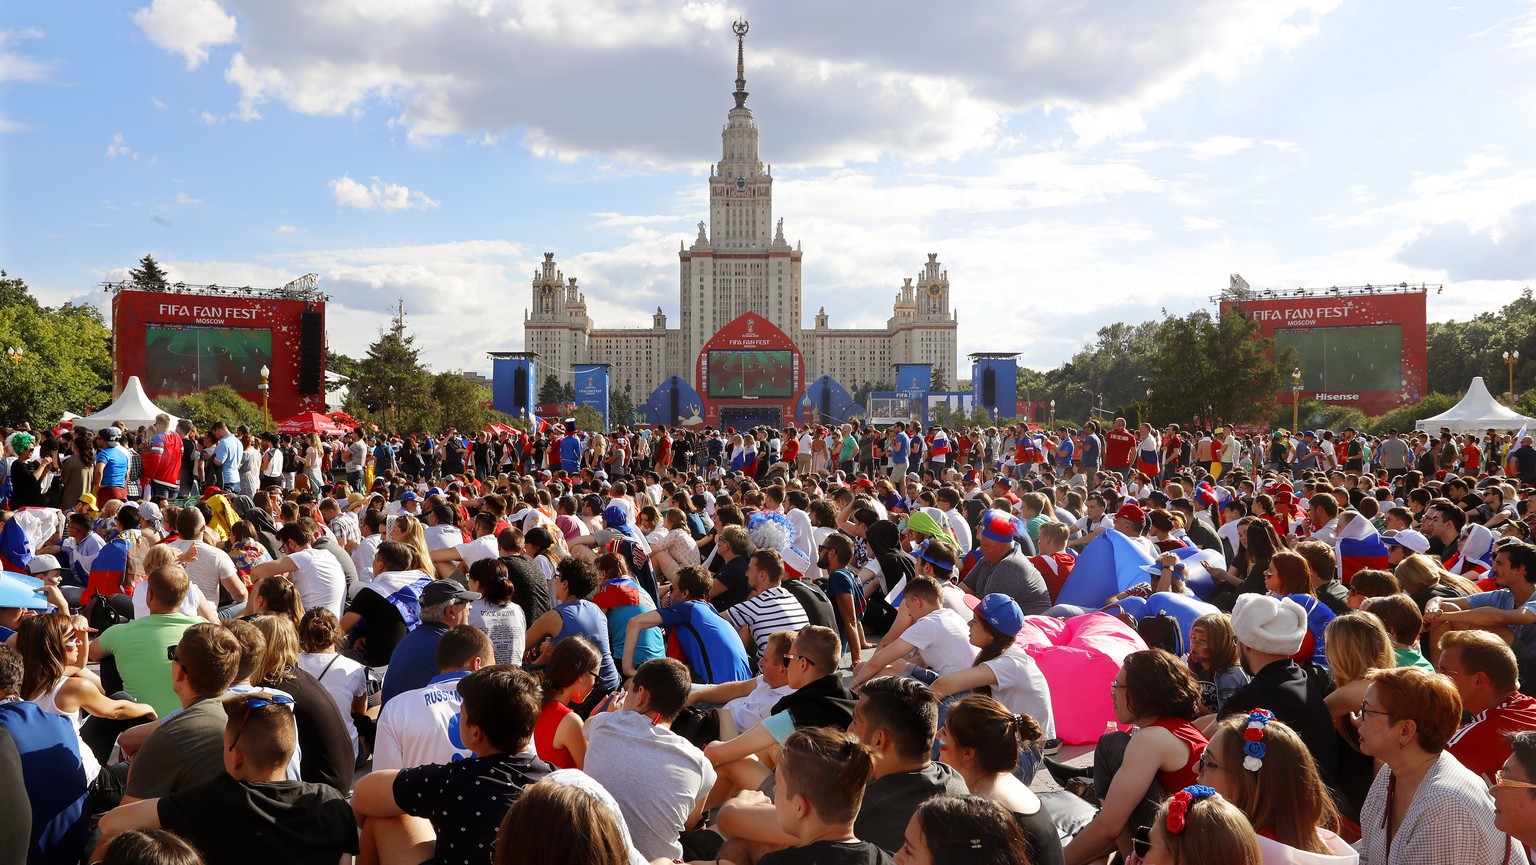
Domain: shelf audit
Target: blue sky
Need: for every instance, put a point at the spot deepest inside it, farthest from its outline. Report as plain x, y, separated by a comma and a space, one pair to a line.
1071, 164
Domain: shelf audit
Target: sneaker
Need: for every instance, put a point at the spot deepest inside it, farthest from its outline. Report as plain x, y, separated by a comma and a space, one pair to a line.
1050, 747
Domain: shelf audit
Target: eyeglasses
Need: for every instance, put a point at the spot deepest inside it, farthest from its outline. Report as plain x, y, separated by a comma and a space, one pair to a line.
790, 657
1367, 710
1205, 761
1500, 781
1115, 686
1141, 841
254, 703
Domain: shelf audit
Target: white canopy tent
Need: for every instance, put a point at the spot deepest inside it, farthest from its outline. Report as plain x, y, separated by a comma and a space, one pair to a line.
1477, 411
132, 408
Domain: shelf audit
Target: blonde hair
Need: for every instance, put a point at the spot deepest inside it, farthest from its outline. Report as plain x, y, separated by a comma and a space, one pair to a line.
160, 555
1419, 572
1285, 795
281, 659
414, 536
1357, 643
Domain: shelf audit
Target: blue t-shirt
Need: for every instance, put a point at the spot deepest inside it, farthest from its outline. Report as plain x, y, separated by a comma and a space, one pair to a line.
570, 454
55, 778
1091, 446
414, 661
899, 446
114, 463
1501, 599
1064, 450
710, 645
843, 582
228, 452
585, 619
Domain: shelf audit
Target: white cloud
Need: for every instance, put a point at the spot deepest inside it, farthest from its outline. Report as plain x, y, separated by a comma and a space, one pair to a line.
380, 195
187, 27
117, 147
15, 66
1218, 146
1200, 223
286, 229
185, 199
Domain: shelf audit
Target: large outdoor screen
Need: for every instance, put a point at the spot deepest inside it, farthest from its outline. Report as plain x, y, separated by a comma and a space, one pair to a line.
188, 359
764, 374
1346, 359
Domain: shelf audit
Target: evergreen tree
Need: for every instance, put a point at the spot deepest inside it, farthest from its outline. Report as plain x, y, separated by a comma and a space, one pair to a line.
392, 383
148, 275
621, 408
550, 391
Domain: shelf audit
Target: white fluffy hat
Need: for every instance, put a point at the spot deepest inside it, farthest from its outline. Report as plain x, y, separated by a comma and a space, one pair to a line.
1274, 626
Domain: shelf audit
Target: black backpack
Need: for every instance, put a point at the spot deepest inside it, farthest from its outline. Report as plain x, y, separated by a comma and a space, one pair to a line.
818, 608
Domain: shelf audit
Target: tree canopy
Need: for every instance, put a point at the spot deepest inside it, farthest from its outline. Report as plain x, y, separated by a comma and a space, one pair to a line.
56, 359
149, 274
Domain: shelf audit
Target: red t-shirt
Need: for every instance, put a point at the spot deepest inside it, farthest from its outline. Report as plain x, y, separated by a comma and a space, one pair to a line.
791, 449
1480, 745
1055, 568
1471, 457
1118, 445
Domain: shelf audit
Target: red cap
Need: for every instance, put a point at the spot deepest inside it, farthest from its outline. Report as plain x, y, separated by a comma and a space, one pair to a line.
1131, 512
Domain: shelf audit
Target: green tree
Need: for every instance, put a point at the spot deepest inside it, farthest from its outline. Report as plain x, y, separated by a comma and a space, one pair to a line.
392, 384
1403, 418
621, 408
1208, 370
55, 359
218, 403
588, 418
149, 275
939, 380
551, 391
567, 394
457, 402
1460, 350
341, 364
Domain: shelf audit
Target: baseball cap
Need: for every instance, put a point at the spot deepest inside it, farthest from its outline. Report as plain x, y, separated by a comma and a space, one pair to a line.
42, 563
89, 499
1131, 512
110, 433
1409, 539
1002, 613
444, 591
408, 496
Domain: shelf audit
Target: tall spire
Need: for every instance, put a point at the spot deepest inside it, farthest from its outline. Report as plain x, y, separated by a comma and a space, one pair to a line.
740, 28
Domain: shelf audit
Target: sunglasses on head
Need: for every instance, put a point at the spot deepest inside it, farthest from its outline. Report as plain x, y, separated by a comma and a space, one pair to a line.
254, 703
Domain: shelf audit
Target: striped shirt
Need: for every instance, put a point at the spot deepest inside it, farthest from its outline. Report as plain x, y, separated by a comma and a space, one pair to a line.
773, 610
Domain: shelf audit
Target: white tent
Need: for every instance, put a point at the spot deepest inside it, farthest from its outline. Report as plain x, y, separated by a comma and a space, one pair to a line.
132, 408
1477, 411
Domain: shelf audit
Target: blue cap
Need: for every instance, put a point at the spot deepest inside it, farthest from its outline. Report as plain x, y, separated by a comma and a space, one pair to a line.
408, 496
1002, 613
14, 594
615, 515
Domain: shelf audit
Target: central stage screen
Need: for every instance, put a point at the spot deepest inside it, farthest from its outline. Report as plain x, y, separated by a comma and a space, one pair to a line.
189, 359
764, 374
1346, 359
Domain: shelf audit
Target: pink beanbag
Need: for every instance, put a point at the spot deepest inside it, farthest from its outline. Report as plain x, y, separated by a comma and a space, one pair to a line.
1079, 658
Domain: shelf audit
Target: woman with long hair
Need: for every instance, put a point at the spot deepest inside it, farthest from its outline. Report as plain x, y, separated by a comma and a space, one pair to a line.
495, 612
1290, 576
1422, 577
569, 678
1196, 826
965, 830
1213, 658
276, 596
313, 456
1424, 807
327, 753
982, 739
1260, 765
408, 530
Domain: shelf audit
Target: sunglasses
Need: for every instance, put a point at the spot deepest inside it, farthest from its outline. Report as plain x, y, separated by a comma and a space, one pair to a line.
251, 705
791, 657
1141, 841
1500, 781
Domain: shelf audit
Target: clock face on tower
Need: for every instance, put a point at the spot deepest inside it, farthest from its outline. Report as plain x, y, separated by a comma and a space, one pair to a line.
934, 289
547, 289
741, 183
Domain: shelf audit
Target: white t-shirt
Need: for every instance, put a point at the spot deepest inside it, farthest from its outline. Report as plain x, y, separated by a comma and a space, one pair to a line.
212, 566
657, 777
506, 626
944, 638
421, 726
363, 553
443, 537
320, 580
344, 679
750, 710
483, 547
189, 604
961, 528
1022, 687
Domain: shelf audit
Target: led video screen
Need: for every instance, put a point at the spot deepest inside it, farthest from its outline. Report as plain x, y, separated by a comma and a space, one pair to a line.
187, 359
763, 374
1346, 359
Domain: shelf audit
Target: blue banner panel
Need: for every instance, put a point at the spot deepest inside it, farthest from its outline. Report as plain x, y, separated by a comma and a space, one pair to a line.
592, 388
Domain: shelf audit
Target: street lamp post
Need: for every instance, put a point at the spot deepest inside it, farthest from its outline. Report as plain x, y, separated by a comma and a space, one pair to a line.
1510, 359
264, 387
1295, 397
15, 354
1053, 414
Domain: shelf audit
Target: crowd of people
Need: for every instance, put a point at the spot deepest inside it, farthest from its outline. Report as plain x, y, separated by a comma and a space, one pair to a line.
797, 645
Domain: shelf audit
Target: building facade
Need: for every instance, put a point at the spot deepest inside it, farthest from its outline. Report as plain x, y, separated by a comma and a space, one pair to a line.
740, 262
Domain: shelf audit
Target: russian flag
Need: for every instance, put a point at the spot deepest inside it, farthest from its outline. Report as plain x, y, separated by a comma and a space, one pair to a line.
107, 571
940, 445
1360, 547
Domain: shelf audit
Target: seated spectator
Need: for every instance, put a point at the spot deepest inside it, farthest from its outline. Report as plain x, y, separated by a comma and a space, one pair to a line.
574, 615
1006, 672
1289, 576
1054, 562
1214, 661
250, 812
496, 613
621, 599
1276, 785
1404, 623
748, 702
318, 575
139, 646
45, 748
462, 556
567, 817
966, 829
1357, 644
1510, 609
1407, 717
1486, 678
320, 639
982, 739
1269, 633
1157, 694
711, 648
1370, 583
631, 747
150, 847
386, 607
186, 750
822, 778
409, 816
1514, 790
845, 593
569, 678
770, 607
936, 638
420, 726
1196, 826
444, 605
327, 755
1325, 582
